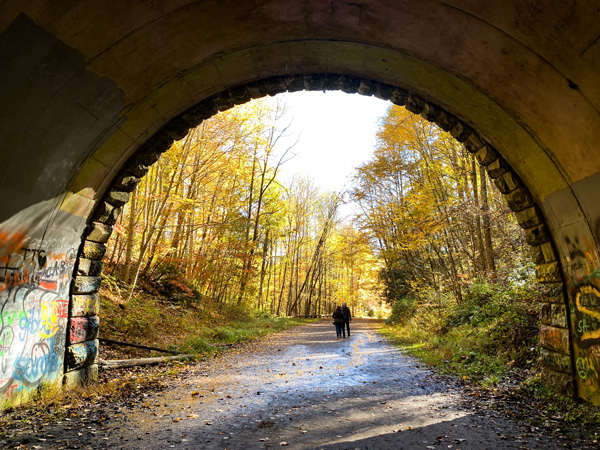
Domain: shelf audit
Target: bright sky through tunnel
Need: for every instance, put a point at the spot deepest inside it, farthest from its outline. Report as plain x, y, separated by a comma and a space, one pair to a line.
335, 132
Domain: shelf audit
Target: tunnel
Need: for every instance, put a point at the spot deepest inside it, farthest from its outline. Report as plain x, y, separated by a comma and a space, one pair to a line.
91, 93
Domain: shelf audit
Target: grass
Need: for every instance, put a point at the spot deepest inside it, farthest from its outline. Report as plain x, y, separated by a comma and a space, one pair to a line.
486, 338
185, 326
491, 343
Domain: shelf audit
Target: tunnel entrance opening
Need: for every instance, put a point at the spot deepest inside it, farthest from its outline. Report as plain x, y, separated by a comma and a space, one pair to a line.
521, 202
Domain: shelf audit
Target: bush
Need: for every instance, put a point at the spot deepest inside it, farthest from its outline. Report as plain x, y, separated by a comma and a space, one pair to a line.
493, 329
402, 310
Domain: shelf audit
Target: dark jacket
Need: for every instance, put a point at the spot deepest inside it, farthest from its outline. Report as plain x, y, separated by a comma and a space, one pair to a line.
338, 316
346, 312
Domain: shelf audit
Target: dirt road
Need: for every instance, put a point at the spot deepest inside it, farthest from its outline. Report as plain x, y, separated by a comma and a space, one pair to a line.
304, 389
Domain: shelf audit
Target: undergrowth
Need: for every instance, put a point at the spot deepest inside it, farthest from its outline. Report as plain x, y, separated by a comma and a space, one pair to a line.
182, 323
490, 341
485, 338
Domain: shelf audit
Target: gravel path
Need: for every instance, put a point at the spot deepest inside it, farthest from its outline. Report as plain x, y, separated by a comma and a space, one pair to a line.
306, 389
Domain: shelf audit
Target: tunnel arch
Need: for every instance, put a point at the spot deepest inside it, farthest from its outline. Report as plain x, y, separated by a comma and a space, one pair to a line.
89, 265
89, 88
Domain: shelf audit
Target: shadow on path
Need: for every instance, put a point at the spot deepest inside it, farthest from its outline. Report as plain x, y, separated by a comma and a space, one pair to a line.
306, 389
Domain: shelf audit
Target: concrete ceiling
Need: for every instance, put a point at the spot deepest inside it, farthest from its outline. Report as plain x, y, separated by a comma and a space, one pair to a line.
85, 83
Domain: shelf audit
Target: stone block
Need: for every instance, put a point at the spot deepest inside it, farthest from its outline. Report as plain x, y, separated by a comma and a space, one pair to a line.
556, 362
461, 132
106, 213
333, 82
537, 255
93, 328
537, 235
555, 339
554, 314
559, 381
78, 329
202, 111
552, 292
546, 314
350, 84
93, 250
399, 96
177, 128
274, 86
445, 120
507, 182
497, 168
84, 305
116, 197
529, 217
384, 91
147, 155
223, 101
86, 285
89, 267
160, 142
81, 355
99, 232
548, 273
414, 104
136, 168
486, 155
430, 112
81, 377
559, 315
473, 143
367, 87
549, 253
295, 83
518, 200
239, 95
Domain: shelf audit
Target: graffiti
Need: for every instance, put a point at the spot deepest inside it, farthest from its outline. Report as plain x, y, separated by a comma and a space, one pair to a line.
84, 305
556, 339
78, 331
586, 298
35, 278
585, 367
32, 369
10, 243
584, 307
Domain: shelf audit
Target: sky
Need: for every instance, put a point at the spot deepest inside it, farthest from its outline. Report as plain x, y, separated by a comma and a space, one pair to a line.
335, 132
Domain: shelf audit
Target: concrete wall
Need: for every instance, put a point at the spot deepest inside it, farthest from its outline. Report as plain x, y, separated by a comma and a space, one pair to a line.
91, 92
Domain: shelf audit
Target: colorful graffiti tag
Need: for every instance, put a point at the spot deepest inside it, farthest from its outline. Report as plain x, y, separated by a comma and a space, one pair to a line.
585, 322
34, 306
584, 308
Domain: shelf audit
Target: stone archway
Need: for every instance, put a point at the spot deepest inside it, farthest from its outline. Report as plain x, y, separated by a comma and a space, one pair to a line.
89, 87
81, 355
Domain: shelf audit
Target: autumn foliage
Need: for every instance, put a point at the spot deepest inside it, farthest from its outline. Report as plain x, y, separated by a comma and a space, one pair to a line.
212, 214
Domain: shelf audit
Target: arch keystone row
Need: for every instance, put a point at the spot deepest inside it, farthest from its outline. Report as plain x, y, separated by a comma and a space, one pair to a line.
81, 360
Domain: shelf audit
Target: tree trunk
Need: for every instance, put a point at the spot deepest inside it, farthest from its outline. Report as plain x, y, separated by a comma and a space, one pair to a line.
487, 229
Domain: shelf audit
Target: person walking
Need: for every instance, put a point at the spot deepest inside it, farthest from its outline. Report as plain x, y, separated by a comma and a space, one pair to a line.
347, 318
338, 321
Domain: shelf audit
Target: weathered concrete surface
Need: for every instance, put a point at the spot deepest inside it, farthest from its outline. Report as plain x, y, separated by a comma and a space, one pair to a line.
84, 86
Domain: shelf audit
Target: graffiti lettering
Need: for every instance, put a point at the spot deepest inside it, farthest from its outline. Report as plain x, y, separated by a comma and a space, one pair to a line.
590, 296
584, 307
35, 279
42, 362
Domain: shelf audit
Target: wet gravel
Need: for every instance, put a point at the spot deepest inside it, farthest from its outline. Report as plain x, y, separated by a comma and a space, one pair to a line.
304, 389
